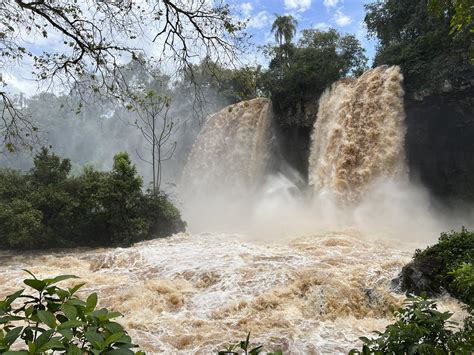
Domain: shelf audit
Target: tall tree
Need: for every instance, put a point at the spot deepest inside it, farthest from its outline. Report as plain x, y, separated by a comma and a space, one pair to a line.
422, 44
284, 29
318, 59
462, 15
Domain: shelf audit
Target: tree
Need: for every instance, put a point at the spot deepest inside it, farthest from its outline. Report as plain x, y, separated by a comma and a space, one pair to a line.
421, 44
94, 37
284, 28
319, 59
156, 127
462, 15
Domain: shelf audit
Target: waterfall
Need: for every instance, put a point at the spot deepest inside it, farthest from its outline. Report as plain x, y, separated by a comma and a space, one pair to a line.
359, 134
231, 150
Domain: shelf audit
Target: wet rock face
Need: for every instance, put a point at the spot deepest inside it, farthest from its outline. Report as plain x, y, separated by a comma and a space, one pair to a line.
421, 275
440, 143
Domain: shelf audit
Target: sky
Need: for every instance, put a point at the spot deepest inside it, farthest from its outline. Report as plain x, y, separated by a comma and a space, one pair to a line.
346, 16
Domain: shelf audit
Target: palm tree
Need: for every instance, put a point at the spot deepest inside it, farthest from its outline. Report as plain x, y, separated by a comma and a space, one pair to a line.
284, 28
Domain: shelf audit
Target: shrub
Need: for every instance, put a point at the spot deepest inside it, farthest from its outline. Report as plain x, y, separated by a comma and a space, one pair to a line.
437, 264
55, 319
49, 208
463, 283
420, 329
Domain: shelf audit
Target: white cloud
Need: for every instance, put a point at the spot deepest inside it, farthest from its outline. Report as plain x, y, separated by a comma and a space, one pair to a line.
246, 8
298, 5
330, 3
17, 84
259, 20
341, 19
321, 26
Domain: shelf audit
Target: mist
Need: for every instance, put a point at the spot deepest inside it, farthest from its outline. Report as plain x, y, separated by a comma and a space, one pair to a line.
358, 174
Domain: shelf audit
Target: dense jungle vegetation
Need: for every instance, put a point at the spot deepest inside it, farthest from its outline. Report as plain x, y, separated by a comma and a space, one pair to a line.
48, 208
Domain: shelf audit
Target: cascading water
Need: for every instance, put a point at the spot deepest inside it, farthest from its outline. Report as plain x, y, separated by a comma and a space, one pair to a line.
226, 166
230, 152
359, 134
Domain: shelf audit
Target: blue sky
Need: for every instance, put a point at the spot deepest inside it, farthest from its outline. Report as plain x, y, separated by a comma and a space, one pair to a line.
344, 15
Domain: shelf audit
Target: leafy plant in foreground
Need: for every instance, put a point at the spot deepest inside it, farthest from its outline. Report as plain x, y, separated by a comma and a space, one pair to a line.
432, 269
463, 283
420, 329
56, 320
245, 345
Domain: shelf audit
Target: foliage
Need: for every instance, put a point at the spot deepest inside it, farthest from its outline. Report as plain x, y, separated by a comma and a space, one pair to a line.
462, 15
449, 258
420, 43
284, 28
220, 85
462, 12
319, 59
463, 283
55, 319
245, 345
420, 329
48, 208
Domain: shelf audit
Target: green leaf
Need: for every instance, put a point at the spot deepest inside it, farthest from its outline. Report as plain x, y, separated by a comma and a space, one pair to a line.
60, 278
29, 272
71, 324
38, 285
73, 350
114, 327
75, 288
76, 302
256, 350
113, 338
66, 333
96, 340
91, 302
43, 338
53, 344
10, 299
112, 315
47, 318
12, 335
69, 311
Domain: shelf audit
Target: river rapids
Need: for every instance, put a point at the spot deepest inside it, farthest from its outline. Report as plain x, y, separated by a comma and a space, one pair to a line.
195, 293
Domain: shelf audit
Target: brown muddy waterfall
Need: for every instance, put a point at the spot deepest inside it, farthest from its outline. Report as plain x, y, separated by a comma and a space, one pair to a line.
359, 134
302, 271
231, 150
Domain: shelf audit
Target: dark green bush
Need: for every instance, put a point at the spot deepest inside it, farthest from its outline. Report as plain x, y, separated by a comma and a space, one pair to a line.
454, 251
54, 319
421, 43
420, 329
463, 283
49, 208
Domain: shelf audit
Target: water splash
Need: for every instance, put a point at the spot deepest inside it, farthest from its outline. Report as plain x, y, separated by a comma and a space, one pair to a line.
359, 134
